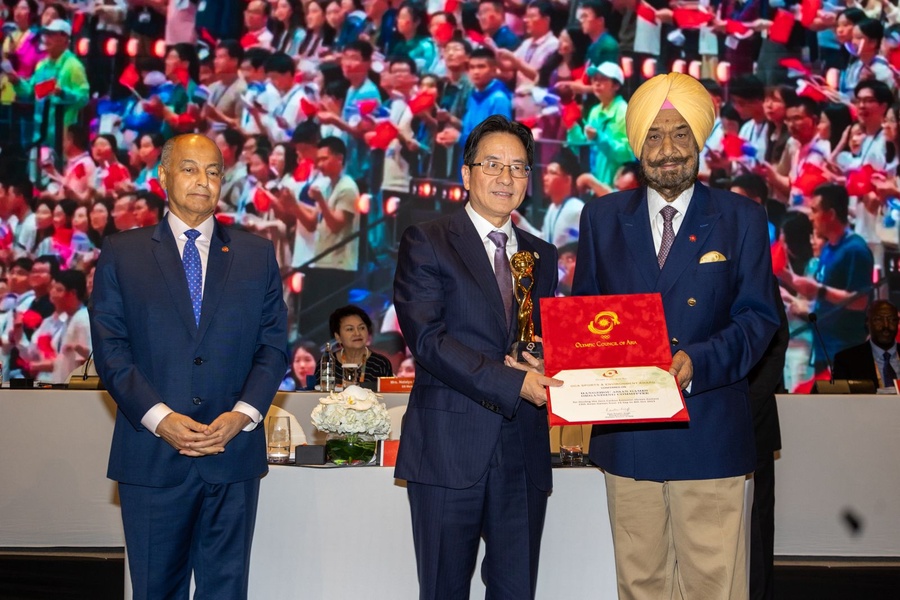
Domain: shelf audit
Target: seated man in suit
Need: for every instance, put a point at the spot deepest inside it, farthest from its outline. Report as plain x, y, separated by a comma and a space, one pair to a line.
875, 359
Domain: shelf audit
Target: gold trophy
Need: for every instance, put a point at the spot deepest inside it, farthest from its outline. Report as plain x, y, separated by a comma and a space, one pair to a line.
522, 266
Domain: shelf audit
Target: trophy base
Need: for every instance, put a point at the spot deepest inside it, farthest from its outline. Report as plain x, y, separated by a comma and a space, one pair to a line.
536, 349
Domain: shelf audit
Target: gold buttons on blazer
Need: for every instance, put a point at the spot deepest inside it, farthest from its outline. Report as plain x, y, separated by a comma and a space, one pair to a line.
692, 302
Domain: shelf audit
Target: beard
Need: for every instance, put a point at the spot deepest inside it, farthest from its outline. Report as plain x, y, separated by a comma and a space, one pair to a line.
670, 183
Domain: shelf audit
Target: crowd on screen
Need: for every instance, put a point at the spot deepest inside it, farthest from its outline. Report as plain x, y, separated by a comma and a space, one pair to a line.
328, 110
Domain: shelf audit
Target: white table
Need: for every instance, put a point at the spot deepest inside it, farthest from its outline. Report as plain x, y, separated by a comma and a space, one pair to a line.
348, 530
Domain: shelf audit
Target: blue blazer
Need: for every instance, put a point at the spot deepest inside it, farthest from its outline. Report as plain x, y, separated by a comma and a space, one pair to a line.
452, 317
722, 314
148, 348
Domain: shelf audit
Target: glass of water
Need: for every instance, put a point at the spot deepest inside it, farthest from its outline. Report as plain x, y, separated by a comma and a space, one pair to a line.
278, 439
350, 374
571, 452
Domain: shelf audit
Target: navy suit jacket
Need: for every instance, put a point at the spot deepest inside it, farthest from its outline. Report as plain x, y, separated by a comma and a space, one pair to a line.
148, 348
452, 317
722, 314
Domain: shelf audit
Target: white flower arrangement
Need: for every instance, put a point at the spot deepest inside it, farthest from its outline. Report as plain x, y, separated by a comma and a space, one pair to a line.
353, 411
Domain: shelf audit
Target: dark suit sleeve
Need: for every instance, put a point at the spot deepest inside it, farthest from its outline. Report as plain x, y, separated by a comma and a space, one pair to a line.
112, 348
729, 354
421, 301
767, 376
270, 359
843, 362
856, 362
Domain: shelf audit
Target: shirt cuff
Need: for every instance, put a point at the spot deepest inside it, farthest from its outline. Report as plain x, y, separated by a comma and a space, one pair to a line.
255, 417
154, 417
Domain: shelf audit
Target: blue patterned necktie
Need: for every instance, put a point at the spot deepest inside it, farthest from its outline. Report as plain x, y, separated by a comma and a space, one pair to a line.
193, 270
502, 271
887, 373
668, 236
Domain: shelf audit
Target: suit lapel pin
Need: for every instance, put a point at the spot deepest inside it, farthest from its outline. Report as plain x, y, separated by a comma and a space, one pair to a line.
692, 238
225, 249
536, 255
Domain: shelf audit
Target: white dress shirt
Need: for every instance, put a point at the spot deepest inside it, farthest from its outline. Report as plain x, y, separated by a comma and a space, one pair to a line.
484, 227
159, 411
655, 203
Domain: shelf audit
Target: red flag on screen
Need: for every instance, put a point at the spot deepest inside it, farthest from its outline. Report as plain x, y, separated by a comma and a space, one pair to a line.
422, 102
384, 134
810, 177
733, 27
129, 77
44, 88
367, 107
691, 18
782, 24
261, 200
646, 12
808, 11
571, 114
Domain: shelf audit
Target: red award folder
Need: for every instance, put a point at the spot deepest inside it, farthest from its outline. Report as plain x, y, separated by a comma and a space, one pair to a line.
599, 332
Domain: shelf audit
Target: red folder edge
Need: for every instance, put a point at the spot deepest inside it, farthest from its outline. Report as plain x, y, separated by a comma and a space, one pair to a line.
563, 317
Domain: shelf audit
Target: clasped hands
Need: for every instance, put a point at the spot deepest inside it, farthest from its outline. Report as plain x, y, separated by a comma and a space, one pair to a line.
535, 384
195, 439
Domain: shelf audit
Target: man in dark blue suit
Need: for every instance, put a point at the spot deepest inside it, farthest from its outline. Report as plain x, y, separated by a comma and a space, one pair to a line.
877, 358
475, 449
676, 492
189, 332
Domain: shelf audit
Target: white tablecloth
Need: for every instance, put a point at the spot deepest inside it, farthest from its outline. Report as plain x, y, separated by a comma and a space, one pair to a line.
336, 532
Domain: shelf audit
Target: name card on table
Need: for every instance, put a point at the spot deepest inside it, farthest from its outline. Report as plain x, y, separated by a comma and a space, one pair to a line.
387, 452
401, 385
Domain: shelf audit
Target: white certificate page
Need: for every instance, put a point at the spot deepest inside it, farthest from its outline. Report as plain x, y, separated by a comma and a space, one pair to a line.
609, 395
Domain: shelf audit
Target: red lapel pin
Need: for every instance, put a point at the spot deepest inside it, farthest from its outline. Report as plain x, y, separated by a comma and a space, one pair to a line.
692, 238
225, 249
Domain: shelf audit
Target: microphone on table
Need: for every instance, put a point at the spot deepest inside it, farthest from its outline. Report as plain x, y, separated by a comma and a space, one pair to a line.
813, 321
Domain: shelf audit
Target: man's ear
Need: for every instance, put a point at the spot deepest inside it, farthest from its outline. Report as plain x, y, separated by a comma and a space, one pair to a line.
466, 173
162, 175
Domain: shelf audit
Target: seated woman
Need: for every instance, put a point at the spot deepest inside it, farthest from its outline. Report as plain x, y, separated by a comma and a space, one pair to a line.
352, 328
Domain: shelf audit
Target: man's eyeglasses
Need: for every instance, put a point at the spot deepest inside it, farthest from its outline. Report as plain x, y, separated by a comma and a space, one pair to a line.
495, 168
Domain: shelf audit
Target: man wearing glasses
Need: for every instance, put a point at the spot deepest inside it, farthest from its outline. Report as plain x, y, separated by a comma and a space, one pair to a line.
475, 450
872, 99
875, 359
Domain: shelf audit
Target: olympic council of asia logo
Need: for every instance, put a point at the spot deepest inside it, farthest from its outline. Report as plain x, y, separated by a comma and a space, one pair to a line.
603, 323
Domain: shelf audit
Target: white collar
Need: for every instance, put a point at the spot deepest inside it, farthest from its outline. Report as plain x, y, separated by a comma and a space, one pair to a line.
484, 227
178, 226
655, 201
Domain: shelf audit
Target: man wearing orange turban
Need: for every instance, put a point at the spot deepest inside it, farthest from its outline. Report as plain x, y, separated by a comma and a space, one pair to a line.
676, 492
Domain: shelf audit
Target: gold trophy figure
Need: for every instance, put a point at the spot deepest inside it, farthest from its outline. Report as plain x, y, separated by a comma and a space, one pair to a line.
522, 266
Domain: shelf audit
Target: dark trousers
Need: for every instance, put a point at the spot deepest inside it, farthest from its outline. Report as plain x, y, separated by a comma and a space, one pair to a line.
762, 531
503, 507
194, 527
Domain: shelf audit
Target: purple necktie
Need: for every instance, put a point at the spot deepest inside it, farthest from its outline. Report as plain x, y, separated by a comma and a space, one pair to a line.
668, 236
502, 271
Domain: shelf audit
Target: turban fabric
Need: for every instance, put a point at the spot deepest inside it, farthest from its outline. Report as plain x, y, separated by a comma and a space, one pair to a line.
682, 92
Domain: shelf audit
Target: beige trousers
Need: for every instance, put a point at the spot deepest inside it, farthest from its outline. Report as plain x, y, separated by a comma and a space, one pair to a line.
679, 540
